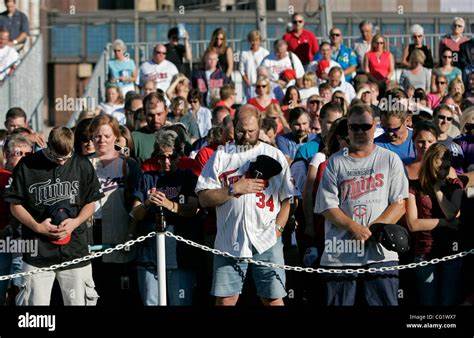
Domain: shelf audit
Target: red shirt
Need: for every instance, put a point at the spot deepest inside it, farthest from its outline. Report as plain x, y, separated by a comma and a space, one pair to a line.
4, 207
203, 156
152, 164
304, 46
379, 67
222, 103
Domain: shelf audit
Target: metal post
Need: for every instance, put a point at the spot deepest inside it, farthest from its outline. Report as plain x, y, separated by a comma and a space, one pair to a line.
161, 256
325, 18
262, 20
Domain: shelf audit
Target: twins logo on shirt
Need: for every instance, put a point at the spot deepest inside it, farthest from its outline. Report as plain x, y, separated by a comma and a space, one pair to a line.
157, 76
48, 193
357, 187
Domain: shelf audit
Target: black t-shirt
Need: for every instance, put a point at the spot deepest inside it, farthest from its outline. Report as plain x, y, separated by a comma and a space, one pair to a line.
37, 184
175, 54
429, 63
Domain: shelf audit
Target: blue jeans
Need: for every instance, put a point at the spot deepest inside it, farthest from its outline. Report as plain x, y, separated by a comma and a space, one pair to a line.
380, 289
180, 286
5, 268
438, 284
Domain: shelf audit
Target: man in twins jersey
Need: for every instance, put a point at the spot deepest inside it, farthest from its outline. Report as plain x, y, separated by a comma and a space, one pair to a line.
251, 213
158, 69
362, 185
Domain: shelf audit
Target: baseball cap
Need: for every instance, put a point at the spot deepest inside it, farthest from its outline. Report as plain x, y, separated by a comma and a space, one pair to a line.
288, 75
393, 237
58, 212
264, 167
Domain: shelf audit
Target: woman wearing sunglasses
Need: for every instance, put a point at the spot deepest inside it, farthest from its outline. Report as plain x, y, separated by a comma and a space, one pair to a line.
466, 139
170, 190
417, 33
263, 98
446, 68
439, 92
379, 62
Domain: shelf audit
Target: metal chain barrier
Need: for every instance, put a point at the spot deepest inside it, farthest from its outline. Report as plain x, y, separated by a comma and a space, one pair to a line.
319, 270
82, 259
245, 260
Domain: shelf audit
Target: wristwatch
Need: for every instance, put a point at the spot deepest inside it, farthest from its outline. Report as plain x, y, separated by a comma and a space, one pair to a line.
231, 191
280, 228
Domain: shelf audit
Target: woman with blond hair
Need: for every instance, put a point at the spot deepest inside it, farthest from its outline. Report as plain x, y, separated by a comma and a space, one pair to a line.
113, 105
225, 53
263, 96
310, 86
416, 75
274, 111
180, 85
379, 62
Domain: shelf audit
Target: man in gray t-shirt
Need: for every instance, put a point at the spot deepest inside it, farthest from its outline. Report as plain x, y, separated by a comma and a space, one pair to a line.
362, 185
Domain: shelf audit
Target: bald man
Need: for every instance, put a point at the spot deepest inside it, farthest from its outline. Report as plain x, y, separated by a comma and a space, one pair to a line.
158, 69
251, 213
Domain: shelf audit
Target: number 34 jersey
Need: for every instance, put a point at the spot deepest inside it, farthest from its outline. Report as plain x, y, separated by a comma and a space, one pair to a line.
247, 220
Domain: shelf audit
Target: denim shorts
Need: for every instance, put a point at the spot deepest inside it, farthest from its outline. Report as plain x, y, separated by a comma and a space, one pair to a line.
229, 274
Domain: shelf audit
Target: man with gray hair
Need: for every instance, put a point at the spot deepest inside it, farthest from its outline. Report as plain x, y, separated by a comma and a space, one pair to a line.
417, 32
16, 147
362, 44
454, 40
158, 69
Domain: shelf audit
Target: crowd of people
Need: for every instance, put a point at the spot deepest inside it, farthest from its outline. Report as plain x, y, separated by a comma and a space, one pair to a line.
327, 155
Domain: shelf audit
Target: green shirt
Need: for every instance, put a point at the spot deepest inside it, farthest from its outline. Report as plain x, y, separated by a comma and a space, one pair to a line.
144, 141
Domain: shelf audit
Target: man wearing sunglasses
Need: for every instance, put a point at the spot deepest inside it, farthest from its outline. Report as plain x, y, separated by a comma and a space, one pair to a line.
397, 137
55, 176
454, 40
443, 117
158, 69
16, 147
362, 185
342, 54
301, 41
418, 34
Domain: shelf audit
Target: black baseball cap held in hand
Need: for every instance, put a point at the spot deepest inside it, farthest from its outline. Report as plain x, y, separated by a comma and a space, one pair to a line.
393, 237
264, 167
58, 212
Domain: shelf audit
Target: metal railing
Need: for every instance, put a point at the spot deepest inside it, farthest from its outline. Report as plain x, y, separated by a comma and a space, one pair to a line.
25, 88
95, 89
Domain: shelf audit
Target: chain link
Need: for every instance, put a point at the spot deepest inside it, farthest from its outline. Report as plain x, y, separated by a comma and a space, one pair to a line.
130, 243
320, 270
80, 260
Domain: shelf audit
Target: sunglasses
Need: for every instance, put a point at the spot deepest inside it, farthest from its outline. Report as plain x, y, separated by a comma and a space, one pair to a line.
417, 36
392, 130
86, 140
441, 82
158, 52
56, 157
163, 157
359, 127
443, 117
298, 21
469, 127
447, 56
117, 50
335, 34
125, 151
261, 86
380, 43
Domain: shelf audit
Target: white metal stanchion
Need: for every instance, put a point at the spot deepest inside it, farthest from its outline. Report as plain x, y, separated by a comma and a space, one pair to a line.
161, 267
161, 256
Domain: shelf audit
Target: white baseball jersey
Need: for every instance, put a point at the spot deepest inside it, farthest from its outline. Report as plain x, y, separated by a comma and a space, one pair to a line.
161, 73
247, 220
276, 66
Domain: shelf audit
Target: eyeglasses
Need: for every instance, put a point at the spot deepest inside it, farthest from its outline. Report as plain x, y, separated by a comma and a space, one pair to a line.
194, 101
261, 86
443, 117
447, 56
56, 157
86, 140
159, 52
19, 153
392, 130
335, 34
441, 82
125, 151
355, 127
298, 21
380, 43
